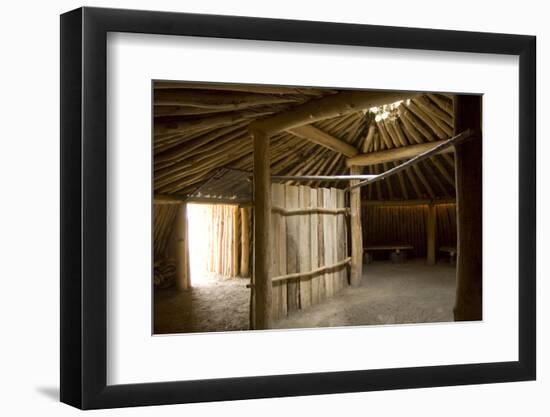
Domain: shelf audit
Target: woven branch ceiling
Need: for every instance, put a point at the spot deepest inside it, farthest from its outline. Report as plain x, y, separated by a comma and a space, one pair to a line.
201, 140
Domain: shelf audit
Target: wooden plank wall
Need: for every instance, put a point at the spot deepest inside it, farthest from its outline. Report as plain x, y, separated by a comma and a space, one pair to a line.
383, 225
304, 242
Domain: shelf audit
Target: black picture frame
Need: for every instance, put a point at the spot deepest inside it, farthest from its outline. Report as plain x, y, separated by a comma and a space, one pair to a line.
84, 207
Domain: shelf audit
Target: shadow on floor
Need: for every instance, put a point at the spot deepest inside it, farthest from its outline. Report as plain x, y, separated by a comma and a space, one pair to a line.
49, 392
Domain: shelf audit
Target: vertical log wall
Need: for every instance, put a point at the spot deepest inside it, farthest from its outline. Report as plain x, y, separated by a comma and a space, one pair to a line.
431, 235
163, 220
385, 225
305, 242
164, 216
172, 244
224, 239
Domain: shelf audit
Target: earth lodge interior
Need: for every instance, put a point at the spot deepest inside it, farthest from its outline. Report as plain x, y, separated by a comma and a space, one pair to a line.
280, 207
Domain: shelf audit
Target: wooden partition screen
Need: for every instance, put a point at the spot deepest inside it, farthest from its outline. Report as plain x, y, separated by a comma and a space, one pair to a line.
309, 246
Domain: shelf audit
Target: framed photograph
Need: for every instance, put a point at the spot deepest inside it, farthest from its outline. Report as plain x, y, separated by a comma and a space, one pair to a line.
257, 208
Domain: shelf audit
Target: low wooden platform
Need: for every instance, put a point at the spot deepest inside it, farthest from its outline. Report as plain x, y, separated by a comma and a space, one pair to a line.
451, 250
396, 248
397, 255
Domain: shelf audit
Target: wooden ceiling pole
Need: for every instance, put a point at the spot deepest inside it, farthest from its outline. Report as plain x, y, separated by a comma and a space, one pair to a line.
322, 138
325, 108
320, 177
367, 143
401, 179
440, 146
423, 180
395, 154
441, 168
412, 179
388, 182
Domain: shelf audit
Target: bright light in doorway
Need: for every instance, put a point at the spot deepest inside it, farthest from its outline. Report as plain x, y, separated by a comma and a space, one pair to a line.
199, 217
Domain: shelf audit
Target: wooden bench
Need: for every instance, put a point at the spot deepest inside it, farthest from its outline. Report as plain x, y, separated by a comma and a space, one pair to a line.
451, 250
396, 256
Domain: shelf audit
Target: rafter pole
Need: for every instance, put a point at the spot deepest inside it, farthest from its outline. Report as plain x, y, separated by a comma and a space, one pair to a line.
320, 177
327, 107
322, 138
455, 140
395, 154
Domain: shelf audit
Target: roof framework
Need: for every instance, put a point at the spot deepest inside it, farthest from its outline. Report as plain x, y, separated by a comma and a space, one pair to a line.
201, 140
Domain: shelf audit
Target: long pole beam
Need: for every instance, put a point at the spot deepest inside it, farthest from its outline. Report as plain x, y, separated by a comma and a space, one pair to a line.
455, 140
320, 177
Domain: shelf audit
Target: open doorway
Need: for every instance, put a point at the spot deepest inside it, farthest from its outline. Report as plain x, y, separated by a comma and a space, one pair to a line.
217, 297
213, 242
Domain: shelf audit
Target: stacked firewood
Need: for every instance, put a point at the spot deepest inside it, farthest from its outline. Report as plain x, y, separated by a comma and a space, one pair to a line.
164, 273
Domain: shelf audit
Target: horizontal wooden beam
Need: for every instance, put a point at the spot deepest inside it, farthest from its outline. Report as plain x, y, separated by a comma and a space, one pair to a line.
178, 199
319, 137
169, 199
394, 154
402, 203
455, 140
302, 275
327, 107
247, 88
309, 210
320, 177
215, 100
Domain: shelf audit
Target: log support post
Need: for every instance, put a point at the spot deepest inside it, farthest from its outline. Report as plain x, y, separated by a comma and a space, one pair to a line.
181, 252
356, 230
262, 288
468, 305
245, 242
431, 235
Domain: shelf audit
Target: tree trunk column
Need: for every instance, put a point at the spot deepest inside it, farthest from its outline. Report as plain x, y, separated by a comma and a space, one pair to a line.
356, 230
431, 231
468, 173
262, 288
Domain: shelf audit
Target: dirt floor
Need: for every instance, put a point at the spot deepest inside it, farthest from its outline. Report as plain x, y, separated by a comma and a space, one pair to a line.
411, 292
217, 304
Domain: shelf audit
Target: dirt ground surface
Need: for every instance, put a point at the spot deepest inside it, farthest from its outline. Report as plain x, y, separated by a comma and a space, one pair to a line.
215, 305
411, 292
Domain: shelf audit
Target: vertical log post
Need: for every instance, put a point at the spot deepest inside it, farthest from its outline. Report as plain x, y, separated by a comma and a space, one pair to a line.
468, 174
245, 242
183, 272
262, 227
236, 238
431, 232
356, 230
